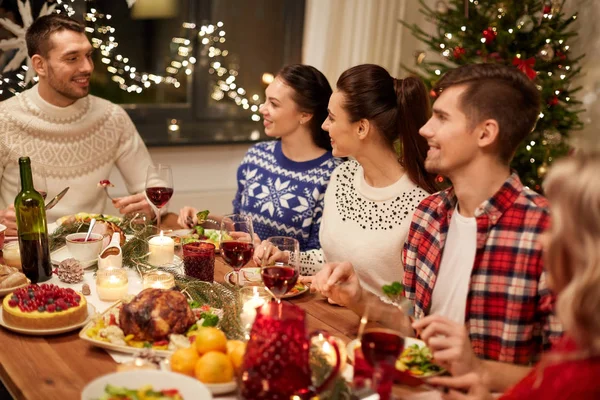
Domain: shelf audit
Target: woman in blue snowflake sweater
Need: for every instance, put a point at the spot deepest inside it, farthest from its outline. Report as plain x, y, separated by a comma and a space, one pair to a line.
281, 183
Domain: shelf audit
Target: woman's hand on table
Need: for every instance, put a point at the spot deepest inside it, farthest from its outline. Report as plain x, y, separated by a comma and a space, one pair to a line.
8, 218
465, 387
185, 214
449, 343
338, 282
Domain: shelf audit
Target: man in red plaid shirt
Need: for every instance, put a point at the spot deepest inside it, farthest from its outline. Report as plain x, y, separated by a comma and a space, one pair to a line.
473, 258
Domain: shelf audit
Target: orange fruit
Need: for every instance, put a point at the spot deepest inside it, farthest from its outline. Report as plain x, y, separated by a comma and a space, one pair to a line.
210, 339
214, 367
184, 361
236, 350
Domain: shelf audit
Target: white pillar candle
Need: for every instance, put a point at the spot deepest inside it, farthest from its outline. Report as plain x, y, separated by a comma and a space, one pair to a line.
161, 249
111, 284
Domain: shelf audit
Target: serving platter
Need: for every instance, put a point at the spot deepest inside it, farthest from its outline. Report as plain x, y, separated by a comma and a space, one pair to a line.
112, 346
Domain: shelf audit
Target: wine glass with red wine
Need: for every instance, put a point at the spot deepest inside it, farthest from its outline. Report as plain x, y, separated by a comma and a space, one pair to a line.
237, 246
280, 265
381, 343
159, 187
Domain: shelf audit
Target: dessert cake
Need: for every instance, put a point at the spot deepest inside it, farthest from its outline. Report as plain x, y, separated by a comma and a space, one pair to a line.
44, 307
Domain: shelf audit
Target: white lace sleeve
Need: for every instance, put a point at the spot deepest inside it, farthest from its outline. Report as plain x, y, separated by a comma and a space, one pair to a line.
311, 262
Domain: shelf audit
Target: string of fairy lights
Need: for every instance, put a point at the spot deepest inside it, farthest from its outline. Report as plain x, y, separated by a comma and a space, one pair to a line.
209, 38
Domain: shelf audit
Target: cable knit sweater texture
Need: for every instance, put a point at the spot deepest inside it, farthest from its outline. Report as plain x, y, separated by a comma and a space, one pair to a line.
365, 225
75, 146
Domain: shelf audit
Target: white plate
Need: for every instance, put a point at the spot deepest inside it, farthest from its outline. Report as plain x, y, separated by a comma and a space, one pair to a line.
62, 253
215, 388
408, 341
43, 332
189, 388
4, 292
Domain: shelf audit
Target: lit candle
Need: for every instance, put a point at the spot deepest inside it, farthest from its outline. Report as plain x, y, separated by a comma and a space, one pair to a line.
12, 255
158, 280
162, 250
111, 284
251, 297
328, 350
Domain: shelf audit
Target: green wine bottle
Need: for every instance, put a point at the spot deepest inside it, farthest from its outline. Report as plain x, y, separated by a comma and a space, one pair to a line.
32, 228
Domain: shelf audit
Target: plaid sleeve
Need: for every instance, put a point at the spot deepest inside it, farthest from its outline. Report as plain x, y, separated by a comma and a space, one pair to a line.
411, 247
552, 329
409, 259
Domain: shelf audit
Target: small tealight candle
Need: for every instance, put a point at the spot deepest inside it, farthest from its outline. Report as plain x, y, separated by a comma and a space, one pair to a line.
111, 284
158, 280
162, 250
251, 298
328, 350
12, 255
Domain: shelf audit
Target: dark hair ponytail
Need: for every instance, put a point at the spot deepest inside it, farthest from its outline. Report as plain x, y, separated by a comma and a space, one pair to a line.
414, 109
398, 108
311, 93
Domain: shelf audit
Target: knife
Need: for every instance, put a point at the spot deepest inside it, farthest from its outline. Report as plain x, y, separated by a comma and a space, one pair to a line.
57, 198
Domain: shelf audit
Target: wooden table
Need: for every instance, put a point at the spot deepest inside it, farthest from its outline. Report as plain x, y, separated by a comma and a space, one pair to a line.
59, 367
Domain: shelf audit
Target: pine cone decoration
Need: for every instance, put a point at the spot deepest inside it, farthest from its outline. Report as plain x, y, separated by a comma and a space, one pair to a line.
70, 271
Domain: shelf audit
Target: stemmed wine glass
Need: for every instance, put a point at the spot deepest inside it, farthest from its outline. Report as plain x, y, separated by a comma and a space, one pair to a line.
159, 187
280, 265
237, 246
381, 342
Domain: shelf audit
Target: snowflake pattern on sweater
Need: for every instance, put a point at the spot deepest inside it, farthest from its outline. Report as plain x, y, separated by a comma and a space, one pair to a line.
283, 197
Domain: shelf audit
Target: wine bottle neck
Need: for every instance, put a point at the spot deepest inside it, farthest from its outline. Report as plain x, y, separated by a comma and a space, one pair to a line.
26, 176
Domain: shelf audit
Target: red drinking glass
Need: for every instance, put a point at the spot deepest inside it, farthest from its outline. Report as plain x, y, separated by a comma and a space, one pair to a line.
276, 363
199, 260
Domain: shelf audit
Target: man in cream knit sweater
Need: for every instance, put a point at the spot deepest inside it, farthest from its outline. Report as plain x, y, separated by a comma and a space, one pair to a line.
74, 138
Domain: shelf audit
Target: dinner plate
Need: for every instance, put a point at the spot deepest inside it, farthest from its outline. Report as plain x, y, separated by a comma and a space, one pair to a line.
215, 388
62, 253
116, 347
43, 332
251, 276
4, 292
408, 341
83, 216
188, 387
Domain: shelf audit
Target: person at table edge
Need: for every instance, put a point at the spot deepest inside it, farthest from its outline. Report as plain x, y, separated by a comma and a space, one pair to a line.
74, 137
472, 253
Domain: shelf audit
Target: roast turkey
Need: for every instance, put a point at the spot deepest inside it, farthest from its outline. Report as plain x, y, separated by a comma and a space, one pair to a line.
156, 313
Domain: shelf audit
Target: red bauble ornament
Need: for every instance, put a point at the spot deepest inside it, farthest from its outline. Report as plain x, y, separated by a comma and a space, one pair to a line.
458, 52
489, 34
560, 55
553, 101
547, 9
525, 66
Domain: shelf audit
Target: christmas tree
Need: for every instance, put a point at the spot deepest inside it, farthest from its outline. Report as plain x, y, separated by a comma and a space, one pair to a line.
532, 35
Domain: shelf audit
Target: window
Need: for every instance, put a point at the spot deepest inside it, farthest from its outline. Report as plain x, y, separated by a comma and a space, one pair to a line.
162, 40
